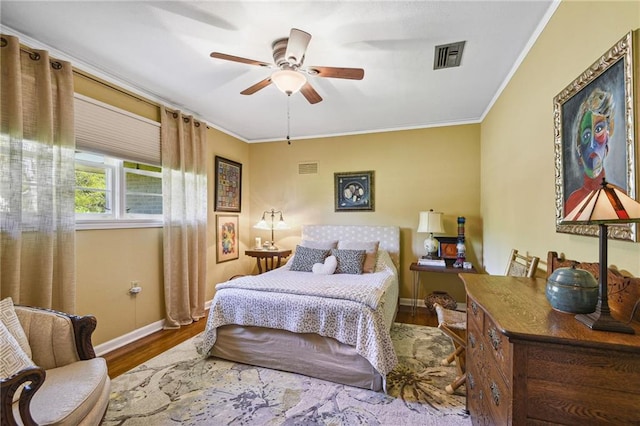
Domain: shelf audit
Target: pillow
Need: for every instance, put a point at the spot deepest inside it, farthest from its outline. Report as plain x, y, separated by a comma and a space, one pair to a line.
12, 357
371, 247
306, 257
349, 261
9, 318
324, 245
327, 268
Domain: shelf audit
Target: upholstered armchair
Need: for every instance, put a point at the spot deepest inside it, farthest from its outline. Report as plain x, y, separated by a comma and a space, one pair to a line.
67, 385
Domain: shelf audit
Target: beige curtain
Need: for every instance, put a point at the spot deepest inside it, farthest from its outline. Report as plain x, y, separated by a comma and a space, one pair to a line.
37, 180
184, 193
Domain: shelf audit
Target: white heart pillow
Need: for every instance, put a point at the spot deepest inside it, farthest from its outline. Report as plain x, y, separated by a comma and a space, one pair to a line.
327, 268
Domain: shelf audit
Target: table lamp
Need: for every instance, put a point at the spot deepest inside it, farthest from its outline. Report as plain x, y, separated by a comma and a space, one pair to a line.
430, 222
604, 206
273, 225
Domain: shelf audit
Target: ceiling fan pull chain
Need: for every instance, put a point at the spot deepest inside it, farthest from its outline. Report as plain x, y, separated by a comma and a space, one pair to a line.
288, 119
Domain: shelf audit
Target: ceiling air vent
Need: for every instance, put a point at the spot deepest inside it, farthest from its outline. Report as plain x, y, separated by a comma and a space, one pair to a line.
307, 168
448, 55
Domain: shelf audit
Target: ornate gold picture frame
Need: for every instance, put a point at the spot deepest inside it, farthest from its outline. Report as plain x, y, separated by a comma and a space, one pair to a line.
594, 135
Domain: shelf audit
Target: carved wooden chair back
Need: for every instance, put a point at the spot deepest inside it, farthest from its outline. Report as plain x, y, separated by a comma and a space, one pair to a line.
521, 266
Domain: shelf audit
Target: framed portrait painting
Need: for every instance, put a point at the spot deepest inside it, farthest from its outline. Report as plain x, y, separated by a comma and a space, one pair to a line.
227, 238
228, 185
354, 191
594, 126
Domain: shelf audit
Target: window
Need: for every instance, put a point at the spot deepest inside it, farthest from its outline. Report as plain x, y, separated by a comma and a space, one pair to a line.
115, 193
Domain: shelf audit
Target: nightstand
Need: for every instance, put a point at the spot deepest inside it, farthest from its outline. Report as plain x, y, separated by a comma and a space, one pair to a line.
449, 269
272, 258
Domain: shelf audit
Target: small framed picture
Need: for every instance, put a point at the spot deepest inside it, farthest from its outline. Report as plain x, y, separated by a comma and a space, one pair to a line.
228, 185
354, 191
447, 247
227, 238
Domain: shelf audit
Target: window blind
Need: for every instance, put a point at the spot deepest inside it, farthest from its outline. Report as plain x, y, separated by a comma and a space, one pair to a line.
108, 130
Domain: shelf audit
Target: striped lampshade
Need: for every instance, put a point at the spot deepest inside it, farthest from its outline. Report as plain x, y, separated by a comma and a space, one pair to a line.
607, 204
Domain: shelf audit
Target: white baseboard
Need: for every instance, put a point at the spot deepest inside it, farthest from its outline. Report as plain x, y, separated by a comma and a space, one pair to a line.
409, 302
130, 337
134, 335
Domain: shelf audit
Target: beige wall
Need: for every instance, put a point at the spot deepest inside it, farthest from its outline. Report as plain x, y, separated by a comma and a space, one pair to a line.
415, 170
518, 195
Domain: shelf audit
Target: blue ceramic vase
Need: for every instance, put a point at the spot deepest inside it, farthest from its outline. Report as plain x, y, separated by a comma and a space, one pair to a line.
572, 290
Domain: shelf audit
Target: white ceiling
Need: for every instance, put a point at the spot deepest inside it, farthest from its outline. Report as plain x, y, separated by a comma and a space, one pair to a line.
161, 50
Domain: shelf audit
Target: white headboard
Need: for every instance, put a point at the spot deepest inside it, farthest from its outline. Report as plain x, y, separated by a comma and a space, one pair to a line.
389, 236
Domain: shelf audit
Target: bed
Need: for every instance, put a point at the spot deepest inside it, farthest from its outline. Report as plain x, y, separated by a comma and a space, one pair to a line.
333, 327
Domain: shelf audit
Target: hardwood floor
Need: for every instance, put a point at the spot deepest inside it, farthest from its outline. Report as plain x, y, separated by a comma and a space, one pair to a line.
127, 357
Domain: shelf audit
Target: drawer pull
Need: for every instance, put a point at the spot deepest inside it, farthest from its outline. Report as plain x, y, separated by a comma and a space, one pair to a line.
472, 340
474, 308
495, 338
495, 393
470, 380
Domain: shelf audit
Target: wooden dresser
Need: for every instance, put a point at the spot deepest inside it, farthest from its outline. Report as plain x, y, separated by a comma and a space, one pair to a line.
529, 364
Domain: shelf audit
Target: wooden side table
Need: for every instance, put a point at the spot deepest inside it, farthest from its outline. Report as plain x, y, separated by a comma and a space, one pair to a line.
272, 258
438, 269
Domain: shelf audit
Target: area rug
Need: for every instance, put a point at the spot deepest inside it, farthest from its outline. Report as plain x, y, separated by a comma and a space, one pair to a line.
179, 387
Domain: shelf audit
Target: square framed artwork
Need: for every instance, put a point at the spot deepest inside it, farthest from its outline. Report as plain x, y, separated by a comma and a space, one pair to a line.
447, 247
227, 238
228, 185
354, 191
594, 137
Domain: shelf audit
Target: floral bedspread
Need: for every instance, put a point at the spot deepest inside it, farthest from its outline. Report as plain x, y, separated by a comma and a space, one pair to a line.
356, 310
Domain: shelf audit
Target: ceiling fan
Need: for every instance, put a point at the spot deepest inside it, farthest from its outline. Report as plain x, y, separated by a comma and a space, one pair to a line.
291, 77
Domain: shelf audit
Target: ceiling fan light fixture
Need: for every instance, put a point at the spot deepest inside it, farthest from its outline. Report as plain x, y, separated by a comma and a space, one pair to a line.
288, 81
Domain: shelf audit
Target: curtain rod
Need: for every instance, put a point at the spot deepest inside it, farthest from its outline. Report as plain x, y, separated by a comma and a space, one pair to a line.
80, 73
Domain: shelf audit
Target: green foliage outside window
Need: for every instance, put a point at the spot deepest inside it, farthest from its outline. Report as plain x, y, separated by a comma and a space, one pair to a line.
91, 189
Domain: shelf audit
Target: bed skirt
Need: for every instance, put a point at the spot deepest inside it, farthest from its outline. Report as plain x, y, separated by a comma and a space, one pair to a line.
302, 353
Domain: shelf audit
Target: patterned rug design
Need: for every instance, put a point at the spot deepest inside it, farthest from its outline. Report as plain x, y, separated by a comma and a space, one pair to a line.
179, 387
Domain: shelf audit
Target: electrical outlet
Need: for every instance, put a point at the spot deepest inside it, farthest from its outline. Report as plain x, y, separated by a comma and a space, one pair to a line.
135, 287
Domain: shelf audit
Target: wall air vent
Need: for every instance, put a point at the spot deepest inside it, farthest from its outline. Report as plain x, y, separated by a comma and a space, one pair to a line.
307, 168
448, 55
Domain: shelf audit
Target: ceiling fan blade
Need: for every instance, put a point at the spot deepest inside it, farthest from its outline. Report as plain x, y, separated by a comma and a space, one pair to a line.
332, 72
259, 85
310, 93
226, 57
297, 46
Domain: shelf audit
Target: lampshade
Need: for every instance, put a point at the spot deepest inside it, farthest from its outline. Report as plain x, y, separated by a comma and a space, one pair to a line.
271, 225
288, 81
607, 204
430, 222
262, 224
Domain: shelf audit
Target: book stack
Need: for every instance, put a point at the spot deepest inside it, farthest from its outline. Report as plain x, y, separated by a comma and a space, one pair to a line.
433, 261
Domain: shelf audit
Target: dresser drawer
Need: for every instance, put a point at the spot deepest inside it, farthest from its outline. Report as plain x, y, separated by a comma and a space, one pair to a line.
499, 348
475, 314
498, 398
487, 393
475, 341
476, 402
